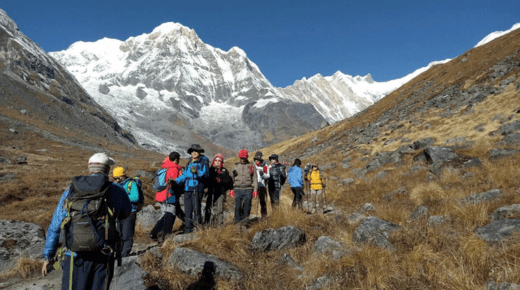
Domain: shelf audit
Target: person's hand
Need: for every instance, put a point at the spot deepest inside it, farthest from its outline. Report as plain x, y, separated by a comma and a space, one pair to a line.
193, 169
255, 194
232, 193
323, 185
44, 268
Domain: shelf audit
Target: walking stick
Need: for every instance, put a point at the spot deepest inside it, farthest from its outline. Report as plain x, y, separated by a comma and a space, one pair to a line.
324, 194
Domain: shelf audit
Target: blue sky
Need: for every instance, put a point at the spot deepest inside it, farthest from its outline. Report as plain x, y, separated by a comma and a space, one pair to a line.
288, 40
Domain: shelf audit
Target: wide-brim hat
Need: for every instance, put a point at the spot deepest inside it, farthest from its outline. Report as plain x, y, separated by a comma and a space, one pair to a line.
273, 156
258, 156
195, 147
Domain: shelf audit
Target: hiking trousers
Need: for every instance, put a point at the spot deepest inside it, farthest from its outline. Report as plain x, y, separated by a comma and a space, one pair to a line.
191, 211
243, 204
126, 228
298, 194
214, 211
90, 272
316, 199
262, 196
166, 221
274, 195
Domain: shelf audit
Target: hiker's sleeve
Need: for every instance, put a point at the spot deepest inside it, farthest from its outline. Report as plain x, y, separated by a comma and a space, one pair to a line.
300, 179
203, 172
134, 192
120, 201
255, 180
53, 232
182, 177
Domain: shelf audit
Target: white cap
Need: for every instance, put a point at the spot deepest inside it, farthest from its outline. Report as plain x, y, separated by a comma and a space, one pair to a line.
101, 158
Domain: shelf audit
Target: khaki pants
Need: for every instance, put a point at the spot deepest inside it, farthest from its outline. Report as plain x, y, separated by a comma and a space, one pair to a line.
317, 199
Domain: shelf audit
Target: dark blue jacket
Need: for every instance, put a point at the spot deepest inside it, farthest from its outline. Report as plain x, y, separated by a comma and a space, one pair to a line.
117, 199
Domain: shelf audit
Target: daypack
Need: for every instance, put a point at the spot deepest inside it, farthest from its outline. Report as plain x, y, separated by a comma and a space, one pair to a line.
159, 181
128, 186
90, 223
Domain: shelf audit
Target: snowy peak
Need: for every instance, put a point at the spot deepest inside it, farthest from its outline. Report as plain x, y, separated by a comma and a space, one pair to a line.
496, 34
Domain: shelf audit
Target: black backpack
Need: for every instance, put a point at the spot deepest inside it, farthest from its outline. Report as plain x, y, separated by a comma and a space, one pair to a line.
90, 223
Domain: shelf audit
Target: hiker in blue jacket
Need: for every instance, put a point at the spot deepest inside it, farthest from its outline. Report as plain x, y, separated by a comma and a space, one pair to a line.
90, 270
194, 175
296, 182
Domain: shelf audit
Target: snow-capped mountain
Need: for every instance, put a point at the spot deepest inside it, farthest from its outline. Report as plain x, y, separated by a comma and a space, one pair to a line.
169, 88
340, 96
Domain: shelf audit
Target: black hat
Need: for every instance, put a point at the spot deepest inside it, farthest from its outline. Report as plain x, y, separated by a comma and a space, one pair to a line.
258, 156
195, 147
273, 156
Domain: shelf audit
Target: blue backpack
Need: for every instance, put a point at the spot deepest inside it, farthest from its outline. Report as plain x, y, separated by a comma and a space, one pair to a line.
159, 182
139, 185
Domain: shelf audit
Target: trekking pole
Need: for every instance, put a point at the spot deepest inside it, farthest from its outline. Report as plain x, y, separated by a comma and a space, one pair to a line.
324, 193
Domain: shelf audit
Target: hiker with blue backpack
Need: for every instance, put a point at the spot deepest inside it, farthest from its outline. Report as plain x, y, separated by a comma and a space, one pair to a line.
134, 189
195, 174
168, 195
295, 178
87, 213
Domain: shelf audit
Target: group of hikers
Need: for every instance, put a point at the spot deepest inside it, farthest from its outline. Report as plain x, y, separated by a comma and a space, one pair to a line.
95, 219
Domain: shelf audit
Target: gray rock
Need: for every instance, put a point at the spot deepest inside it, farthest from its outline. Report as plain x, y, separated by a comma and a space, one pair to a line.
330, 165
439, 154
367, 207
129, 276
193, 263
6, 177
491, 285
373, 165
287, 260
498, 230
326, 244
396, 193
376, 231
179, 239
482, 196
22, 159
506, 212
104, 89
320, 283
282, 238
381, 174
359, 172
148, 216
468, 175
436, 220
4, 160
19, 239
143, 173
347, 181
423, 143
499, 153
420, 212
355, 217
510, 139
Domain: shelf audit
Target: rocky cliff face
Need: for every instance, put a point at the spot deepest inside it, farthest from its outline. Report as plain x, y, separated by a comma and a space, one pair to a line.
34, 83
170, 89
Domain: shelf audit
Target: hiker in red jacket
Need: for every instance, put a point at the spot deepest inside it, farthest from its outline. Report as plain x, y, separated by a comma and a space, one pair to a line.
169, 198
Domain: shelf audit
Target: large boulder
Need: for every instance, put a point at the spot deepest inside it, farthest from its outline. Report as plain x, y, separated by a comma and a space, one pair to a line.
506, 212
19, 239
194, 263
282, 238
148, 216
374, 230
482, 196
129, 276
326, 244
491, 285
498, 230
